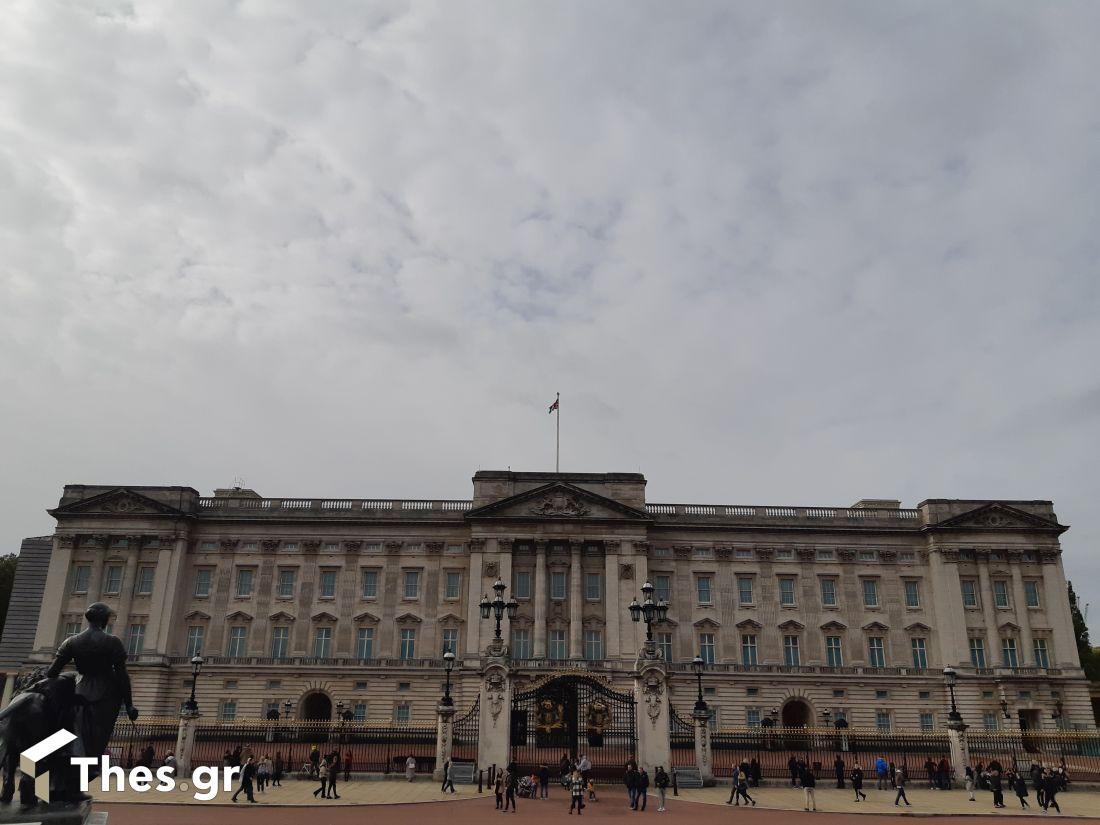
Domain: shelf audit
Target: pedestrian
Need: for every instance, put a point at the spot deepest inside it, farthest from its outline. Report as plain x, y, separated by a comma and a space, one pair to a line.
733, 786
447, 781
262, 773
170, 762
979, 777
410, 768
565, 770
792, 768
1019, 785
591, 785
643, 788
1036, 772
660, 782
754, 772
511, 782
498, 789
347, 766
857, 782
899, 783
630, 779
248, 772
277, 770
809, 782
741, 782
880, 772
838, 769
314, 761
943, 774
237, 759
584, 766
968, 782
1051, 786
544, 782
996, 785
576, 793
333, 773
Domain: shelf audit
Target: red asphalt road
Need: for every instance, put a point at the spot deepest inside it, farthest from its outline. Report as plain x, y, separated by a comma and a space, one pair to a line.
612, 807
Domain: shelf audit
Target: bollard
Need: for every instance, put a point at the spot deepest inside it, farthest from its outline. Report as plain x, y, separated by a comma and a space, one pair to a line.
480, 777
675, 789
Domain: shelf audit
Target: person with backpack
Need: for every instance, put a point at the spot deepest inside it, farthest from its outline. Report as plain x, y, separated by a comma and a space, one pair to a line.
809, 783
857, 782
576, 792
741, 784
661, 782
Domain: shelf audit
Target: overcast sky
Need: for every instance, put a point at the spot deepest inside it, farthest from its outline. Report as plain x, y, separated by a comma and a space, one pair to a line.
769, 253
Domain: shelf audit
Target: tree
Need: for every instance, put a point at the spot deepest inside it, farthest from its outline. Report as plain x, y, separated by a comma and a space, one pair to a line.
1090, 661
7, 578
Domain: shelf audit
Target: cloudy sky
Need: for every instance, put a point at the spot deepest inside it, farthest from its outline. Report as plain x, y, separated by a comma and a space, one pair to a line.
793, 253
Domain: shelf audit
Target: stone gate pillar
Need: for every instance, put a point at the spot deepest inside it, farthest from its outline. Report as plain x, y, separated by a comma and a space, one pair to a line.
652, 714
185, 742
495, 720
702, 746
444, 738
960, 749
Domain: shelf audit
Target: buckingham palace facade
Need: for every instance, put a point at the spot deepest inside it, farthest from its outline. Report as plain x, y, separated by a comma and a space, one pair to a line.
801, 613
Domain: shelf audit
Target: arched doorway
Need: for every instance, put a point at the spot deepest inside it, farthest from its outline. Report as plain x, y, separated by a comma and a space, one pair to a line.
316, 707
796, 714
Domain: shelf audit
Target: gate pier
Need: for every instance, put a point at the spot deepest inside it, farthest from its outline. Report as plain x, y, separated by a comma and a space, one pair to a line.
651, 696
495, 701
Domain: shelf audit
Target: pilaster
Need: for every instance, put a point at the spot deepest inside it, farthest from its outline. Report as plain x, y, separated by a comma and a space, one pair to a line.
541, 598
651, 698
576, 602
494, 723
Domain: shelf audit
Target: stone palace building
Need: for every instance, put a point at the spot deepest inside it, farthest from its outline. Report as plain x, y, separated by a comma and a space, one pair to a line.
803, 614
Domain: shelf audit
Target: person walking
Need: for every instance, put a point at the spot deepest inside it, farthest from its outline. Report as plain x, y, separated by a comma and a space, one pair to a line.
278, 767
263, 773
838, 769
584, 766
1051, 785
248, 772
314, 761
643, 788
1036, 773
792, 769
333, 773
447, 781
809, 783
880, 772
1019, 785
996, 784
630, 779
576, 793
511, 782
741, 782
899, 783
410, 768
661, 782
754, 772
322, 775
498, 789
544, 782
733, 786
943, 774
347, 766
857, 782
968, 782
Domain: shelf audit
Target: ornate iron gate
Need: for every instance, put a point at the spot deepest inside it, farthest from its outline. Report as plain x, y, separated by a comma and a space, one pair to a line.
681, 738
572, 716
465, 732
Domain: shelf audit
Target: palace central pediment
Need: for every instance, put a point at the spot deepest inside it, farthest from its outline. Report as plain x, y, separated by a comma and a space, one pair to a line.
118, 502
558, 501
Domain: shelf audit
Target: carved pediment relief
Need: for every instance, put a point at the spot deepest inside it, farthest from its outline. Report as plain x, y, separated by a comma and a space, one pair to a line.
117, 502
280, 616
1010, 627
323, 616
834, 626
198, 615
749, 624
875, 627
917, 626
449, 619
791, 624
238, 616
408, 618
707, 622
557, 500
997, 516
366, 618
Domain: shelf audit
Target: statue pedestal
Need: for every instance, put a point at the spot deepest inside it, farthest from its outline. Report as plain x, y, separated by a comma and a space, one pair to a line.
651, 696
58, 814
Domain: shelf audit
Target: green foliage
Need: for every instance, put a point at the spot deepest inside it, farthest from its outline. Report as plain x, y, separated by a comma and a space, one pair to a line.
1090, 659
7, 577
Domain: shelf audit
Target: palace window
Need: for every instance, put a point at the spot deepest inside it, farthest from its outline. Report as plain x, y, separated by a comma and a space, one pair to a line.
920, 652
412, 584
927, 721
1041, 658
882, 720
593, 645
1008, 653
743, 553
744, 590
286, 583
784, 554
752, 717
593, 591
370, 584
244, 581
786, 591
790, 651
870, 592
290, 546
450, 639
748, 650
876, 652
828, 592
228, 710
867, 555
664, 644
833, 655
135, 641
907, 556
402, 713
912, 594
359, 712
557, 585
453, 589
557, 644
521, 643
195, 634
522, 587
328, 584
408, 643
322, 643
702, 588
145, 581
81, 574
280, 641
112, 582
706, 647
235, 646
364, 643
989, 720
977, 651
202, 581
1031, 593
1000, 593
70, 629
970, 593
825, 555
662, 587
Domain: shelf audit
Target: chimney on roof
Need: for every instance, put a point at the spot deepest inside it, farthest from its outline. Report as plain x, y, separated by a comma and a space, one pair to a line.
236, 492
876, 504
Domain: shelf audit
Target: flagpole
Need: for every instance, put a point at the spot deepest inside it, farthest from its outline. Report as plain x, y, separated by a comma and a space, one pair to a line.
557, 438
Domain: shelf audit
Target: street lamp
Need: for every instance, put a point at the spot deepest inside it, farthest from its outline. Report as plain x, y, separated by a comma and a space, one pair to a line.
827, 717
448, 666
287, 706
651, 611
191, 706
697, 664
1056, 714
497, 608
951, 676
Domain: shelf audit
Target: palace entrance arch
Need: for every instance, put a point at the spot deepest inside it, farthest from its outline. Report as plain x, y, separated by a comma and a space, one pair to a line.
797, 714
316, 707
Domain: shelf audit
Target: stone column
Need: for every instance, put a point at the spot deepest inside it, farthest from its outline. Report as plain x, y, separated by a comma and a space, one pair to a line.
166, 587
702, 745
960, 751
1056, 592
53, 594
576, 650
611, 599
495, 720
992, 634
651, 698
185, 742
1019, 603
474, 592
542, 595
95, 581
444, 738
9, 688
950, 631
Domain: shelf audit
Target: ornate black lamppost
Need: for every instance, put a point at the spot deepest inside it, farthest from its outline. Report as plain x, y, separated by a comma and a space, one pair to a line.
951, 676
497, 608
191, 706
448, 666
697, 664
651, 611
287, 706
